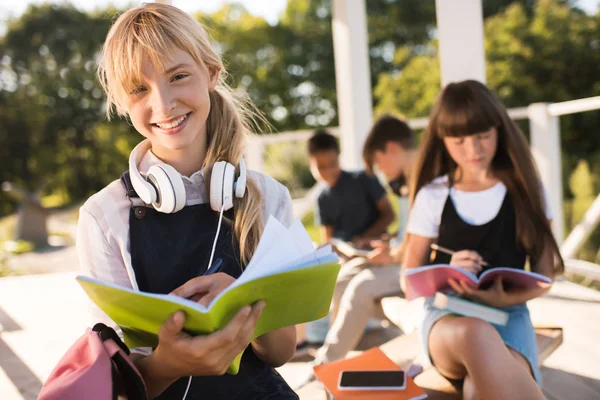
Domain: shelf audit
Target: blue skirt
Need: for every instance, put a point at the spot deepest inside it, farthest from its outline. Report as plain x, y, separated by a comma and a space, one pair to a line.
518, 333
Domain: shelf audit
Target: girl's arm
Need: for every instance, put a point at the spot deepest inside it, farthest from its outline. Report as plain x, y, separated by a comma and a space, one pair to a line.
416, 254
544, 267
385, 217
326, 233
276, 347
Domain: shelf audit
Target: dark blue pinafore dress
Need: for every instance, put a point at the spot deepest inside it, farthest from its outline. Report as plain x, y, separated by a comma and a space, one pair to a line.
167, 250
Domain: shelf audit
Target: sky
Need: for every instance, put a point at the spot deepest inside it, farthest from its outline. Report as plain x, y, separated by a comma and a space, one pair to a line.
268, 9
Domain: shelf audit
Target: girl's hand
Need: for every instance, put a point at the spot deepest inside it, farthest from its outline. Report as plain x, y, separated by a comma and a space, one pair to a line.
467, 259
179, 354
204, 289
495, 296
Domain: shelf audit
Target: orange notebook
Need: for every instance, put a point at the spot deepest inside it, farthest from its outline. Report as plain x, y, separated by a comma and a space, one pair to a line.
371, 360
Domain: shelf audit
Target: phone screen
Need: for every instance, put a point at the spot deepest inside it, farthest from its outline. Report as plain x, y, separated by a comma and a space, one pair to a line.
372, 380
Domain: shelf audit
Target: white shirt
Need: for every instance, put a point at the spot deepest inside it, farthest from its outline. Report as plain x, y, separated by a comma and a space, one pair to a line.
475, 208
103, 227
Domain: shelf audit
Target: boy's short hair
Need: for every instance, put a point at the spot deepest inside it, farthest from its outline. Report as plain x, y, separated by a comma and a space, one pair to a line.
322, 140
386, 129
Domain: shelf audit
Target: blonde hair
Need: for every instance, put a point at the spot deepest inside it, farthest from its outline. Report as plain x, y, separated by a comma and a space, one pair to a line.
155, 31
469, 107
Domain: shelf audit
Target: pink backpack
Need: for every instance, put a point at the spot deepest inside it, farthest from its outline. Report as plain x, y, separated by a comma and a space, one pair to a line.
95, 367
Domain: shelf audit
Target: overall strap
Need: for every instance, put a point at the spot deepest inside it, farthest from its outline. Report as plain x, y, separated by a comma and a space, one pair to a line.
126, 182
137, 205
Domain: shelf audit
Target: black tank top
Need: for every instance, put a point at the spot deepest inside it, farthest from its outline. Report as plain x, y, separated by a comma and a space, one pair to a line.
496, 241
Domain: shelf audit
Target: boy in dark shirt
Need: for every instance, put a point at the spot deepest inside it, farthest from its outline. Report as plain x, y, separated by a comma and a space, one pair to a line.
389, 148
354, 206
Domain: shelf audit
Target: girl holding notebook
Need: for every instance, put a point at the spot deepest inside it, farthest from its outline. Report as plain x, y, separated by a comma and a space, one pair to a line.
476, 191
185, 203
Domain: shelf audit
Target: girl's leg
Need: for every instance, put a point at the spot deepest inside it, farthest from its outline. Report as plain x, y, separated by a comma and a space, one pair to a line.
461, 346
469, 389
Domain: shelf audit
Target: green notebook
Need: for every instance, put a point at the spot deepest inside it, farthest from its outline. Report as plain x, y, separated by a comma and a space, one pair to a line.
295, 281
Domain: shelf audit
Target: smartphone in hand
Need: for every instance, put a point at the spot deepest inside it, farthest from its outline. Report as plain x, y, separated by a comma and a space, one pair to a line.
372, 380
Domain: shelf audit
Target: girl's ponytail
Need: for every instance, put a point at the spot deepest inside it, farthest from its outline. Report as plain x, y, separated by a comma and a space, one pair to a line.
227, 129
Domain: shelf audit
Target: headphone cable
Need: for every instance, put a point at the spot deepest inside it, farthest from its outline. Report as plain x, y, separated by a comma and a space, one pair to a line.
212, 254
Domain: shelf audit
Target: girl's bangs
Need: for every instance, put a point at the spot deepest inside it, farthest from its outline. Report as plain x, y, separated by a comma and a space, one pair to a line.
460, 114
147, 37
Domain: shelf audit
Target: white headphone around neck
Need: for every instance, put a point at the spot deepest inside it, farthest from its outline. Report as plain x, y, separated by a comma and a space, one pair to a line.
163, 187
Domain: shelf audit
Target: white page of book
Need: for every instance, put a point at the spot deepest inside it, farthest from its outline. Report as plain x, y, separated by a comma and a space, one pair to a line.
290, 245
321, 255
272, 231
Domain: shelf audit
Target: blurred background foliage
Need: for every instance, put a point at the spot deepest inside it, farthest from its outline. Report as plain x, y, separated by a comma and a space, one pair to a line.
55, 141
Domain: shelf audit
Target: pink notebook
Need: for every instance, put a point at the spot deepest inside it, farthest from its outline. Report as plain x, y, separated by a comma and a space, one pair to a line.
425, 281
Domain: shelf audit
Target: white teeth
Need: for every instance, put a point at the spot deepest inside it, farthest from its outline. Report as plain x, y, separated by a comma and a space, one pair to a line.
173, 124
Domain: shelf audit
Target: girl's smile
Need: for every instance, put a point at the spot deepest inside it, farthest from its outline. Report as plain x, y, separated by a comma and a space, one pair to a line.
172, 126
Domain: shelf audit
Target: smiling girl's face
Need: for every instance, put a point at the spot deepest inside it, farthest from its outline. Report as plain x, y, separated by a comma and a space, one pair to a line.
170, 107
474, 153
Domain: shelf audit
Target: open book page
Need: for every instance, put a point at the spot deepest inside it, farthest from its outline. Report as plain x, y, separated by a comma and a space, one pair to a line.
284, 246
322, 255
515, 276
272, 231
349, 249
425, 281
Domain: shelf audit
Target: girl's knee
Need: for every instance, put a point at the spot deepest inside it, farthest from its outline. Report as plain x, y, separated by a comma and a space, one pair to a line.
474, 333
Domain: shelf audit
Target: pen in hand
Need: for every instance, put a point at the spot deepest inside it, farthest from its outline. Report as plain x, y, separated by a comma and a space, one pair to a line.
215, 267
450, 252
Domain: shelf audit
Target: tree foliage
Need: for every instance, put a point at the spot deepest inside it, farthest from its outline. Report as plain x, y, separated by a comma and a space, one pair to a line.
545, 51
53, 133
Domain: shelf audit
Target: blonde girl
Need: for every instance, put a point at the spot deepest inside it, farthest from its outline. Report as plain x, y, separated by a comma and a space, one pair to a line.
159, 70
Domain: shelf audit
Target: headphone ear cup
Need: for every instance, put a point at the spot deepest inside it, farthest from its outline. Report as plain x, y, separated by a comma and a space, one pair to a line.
240, 183
169, 186
147, 192
221, 186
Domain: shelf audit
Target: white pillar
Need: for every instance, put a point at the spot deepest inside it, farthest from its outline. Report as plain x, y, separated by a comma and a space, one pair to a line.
545, 145
460, 35
353, 78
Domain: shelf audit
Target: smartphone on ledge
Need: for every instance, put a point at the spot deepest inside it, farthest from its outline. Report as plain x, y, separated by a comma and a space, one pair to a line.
372, 380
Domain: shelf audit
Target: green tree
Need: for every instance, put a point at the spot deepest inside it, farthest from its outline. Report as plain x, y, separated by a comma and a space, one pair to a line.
581, 183
289, 68
51, 103
548, 55
543, 51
